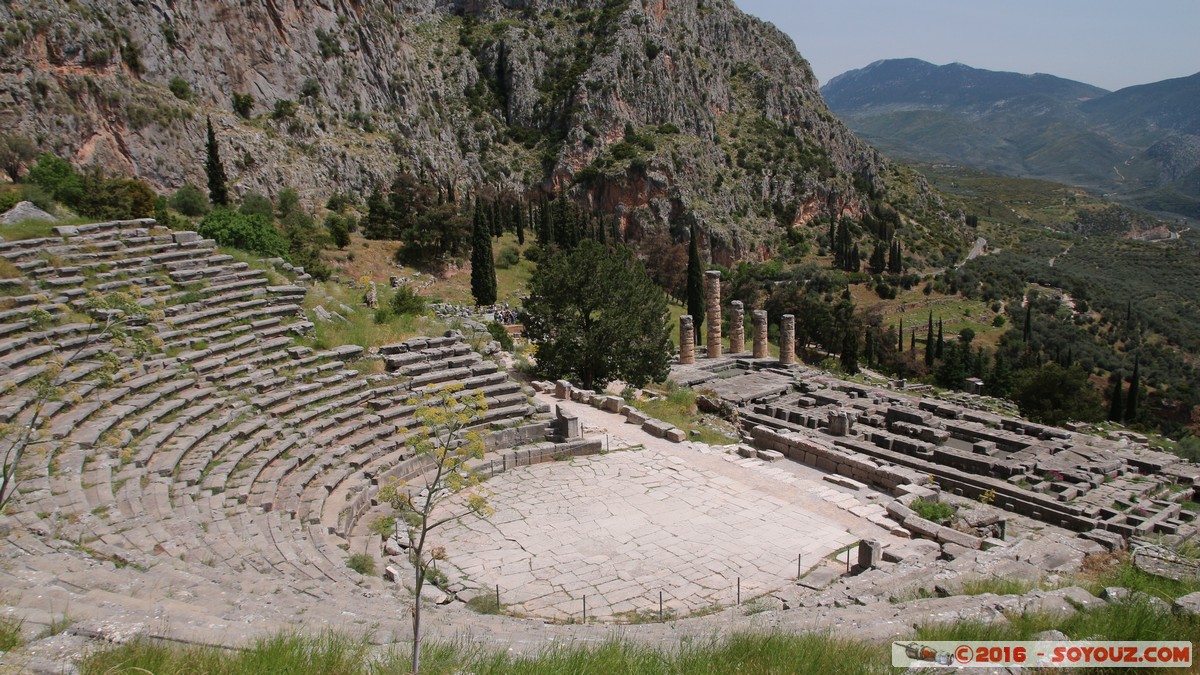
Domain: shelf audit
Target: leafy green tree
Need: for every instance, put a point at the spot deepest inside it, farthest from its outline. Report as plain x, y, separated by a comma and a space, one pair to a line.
695, 283
483, 268
378, 222
442, 440
287, 202
250, 233
243, 104
58, 178
1052, 394
596, 316
190, 201
339, 231
114, 198
218, 193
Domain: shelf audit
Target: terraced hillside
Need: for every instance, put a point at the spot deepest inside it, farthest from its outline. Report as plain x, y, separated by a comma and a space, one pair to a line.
198, 458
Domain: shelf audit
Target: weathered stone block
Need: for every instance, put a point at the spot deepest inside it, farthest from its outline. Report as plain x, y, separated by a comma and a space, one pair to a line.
675, 435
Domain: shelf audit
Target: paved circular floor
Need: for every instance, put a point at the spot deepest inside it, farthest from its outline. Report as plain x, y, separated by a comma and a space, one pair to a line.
622, 527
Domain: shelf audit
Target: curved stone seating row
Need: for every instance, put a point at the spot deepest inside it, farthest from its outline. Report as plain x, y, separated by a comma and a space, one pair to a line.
228, 452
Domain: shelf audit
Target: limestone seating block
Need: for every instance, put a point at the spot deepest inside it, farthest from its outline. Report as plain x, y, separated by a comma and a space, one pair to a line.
656, 428
635, 417
675, 435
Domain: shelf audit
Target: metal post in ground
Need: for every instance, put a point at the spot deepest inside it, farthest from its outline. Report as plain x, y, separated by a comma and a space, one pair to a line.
739, 591
660, 613
497, 597
799, 565
585, 609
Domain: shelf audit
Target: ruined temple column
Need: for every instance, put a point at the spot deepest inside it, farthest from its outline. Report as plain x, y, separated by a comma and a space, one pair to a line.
737, 327
687, 340
787, 340
759, 317
712, 280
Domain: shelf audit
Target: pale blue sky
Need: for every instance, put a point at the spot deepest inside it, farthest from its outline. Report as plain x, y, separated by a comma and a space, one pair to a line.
1107, 43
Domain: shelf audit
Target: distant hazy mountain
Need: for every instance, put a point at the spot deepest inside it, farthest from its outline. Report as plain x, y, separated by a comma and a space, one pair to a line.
1142, 142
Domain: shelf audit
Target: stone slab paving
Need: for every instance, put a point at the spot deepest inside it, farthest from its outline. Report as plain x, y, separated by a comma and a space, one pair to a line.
621, 527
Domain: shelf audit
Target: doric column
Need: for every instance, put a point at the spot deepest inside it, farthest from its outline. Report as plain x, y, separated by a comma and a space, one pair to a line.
737, 328
787, 340
712, 280
687, 340
759, 317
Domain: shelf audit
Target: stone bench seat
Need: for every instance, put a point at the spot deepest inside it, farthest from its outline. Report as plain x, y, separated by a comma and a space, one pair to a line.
91, 231
169, 457
185, 412
218, 477
238, 285
325, 392
212, 270
21, 314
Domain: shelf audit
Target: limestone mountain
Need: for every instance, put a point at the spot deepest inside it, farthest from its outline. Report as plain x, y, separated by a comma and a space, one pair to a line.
1141, 142
663, 113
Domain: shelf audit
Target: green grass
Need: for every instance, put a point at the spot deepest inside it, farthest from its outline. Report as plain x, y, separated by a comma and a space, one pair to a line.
10, 634
332, 653
678, 407
362, 327
57, 625
362, 563
1133, 619
288, 653
938, 512
1125, 575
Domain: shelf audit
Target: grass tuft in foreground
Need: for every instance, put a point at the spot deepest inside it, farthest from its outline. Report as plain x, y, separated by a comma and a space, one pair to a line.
332, 653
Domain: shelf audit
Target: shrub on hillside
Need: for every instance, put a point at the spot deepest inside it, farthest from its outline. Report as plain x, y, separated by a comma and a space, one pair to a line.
406, 301
248, 232
190, 201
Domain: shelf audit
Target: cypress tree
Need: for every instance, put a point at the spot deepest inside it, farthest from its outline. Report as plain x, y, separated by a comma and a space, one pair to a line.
519, 216
1135, 384
850, 351
912, 341
1116, 411
217, 192
483, 267
695, 283
940, 342
929, 344
1027, 332
869, 347
900, 335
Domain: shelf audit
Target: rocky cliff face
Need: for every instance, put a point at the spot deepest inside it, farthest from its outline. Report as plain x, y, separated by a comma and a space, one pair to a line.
662, 112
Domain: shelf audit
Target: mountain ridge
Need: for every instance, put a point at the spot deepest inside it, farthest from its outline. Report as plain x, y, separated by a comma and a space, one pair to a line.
661, 115
1141, 143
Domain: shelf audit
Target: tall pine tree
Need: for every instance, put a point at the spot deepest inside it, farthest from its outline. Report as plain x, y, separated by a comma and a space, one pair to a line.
930, 347
218, 193
1116, 403
695, 283
483, 267
941, 344
1135, 384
